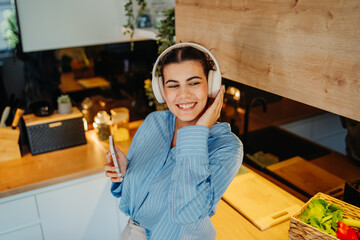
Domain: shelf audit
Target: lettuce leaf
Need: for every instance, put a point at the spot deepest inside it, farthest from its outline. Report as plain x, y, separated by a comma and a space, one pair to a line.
322, 216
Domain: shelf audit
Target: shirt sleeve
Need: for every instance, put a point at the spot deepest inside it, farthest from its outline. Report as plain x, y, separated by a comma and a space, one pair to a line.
116, 189
200, 180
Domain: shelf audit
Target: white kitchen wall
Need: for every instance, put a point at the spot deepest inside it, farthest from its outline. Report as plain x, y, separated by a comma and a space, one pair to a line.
48, 25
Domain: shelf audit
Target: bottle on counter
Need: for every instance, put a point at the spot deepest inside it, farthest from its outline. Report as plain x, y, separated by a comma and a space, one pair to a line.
102, 125
120, 124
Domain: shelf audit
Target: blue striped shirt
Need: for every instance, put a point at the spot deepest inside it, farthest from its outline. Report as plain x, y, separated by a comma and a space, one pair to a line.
173, 192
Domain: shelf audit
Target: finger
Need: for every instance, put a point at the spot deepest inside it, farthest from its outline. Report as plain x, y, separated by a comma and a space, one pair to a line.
220, 96
123, 166
111, 168
222, 92
118, 156
217, 104
123, 162
117, 179
113, 174
109, 158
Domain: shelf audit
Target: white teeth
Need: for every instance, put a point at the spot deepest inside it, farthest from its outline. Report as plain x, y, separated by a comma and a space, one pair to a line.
186, 105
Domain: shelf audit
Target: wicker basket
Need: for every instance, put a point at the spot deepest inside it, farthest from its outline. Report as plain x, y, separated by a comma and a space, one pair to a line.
301, 230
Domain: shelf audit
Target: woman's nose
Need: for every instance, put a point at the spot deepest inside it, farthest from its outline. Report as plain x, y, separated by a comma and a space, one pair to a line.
184, 91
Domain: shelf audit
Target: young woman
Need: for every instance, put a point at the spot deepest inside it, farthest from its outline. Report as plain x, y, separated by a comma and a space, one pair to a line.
181, 160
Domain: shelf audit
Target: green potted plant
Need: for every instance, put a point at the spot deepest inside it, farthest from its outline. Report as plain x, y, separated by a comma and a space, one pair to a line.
166, 38
10, 34
9, 29
64, 104
131, 18
166, 30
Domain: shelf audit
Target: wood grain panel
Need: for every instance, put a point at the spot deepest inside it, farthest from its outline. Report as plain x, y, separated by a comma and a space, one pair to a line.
304, 50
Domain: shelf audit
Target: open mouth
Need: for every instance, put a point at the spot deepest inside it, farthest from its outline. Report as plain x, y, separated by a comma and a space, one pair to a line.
188, 106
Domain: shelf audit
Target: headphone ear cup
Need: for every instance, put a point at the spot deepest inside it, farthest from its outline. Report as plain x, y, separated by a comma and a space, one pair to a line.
214, 83
210, 81
158, 89
162, 92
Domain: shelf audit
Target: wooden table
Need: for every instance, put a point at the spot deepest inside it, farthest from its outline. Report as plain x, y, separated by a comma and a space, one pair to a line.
69, 84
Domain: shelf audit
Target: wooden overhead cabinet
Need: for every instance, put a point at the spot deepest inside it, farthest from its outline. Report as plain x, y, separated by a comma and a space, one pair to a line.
305, 50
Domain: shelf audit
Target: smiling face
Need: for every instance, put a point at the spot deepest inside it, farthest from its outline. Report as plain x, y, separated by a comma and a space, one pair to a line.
185, 88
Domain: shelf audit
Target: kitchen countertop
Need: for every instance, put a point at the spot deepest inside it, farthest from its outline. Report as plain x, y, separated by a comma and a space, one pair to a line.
231, 225
32, 172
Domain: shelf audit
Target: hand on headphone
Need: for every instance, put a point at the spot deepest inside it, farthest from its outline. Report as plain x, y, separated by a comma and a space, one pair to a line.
212, 113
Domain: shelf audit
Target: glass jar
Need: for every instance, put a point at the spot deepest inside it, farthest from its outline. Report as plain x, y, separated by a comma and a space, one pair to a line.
120, 124
102, 125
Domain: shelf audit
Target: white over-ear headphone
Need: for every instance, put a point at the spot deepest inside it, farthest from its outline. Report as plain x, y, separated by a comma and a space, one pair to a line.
214, 77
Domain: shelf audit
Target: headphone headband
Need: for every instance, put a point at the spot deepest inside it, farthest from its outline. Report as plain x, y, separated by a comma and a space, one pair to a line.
180, 45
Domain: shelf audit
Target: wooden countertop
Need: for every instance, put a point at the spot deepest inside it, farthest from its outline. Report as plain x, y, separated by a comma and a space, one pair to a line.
31, 172
230, 225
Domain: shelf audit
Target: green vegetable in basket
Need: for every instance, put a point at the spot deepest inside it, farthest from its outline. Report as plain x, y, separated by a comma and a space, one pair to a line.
323, 216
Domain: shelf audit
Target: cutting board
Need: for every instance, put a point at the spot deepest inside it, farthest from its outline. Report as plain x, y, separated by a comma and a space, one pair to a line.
260, 201
308, 177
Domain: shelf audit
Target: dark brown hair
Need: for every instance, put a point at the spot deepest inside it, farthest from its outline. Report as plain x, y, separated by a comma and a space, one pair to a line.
188, 53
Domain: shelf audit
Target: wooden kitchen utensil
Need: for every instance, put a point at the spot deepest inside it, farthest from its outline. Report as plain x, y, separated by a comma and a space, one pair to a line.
9, 143
260, 201
308, 177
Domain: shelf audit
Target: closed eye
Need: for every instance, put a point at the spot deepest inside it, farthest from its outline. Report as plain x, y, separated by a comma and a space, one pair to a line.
194, 83
172, 86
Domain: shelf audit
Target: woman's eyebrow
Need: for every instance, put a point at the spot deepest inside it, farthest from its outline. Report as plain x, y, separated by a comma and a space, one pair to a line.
193, 77
171, 81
